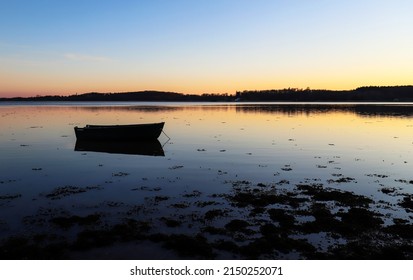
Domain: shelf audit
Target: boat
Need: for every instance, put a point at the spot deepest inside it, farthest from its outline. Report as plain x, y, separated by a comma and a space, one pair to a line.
145, 148
129, 132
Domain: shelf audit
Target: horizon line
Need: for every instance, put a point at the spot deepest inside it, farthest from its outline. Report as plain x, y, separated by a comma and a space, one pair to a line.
200, 94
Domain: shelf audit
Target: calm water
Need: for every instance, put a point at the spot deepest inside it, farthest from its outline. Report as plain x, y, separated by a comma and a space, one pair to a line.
214, 150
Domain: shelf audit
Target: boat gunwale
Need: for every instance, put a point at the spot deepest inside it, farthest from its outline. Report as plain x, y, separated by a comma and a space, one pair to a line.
92, 126
88, 132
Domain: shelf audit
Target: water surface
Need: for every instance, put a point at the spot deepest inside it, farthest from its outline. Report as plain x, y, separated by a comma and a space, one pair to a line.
213, 155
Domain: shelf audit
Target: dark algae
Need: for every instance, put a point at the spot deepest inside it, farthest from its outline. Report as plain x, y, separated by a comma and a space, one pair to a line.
251, 221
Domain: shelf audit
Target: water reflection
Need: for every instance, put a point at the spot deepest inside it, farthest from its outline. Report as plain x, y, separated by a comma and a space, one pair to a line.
146, 148
362, 109
241, 180
397, 110
402, 111
147, 109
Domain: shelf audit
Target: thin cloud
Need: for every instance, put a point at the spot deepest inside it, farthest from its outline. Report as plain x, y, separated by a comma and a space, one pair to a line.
86, 58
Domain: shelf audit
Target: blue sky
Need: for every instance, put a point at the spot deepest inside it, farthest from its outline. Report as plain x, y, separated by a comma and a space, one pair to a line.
64, 47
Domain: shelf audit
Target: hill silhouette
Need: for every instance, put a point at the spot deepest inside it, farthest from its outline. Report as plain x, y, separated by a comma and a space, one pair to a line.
127, 96
361, 94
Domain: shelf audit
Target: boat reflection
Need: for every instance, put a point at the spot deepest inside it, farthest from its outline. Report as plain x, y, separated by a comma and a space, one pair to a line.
146, 148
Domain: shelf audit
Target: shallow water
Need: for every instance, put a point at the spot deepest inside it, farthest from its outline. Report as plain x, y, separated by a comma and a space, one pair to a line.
208, 150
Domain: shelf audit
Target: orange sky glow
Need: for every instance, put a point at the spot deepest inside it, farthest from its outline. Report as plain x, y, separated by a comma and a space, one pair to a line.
51, 48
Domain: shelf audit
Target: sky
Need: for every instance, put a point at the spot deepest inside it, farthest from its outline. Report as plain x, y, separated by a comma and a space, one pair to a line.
61, 47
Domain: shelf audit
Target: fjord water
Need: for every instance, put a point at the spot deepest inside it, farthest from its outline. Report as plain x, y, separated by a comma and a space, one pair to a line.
208, 150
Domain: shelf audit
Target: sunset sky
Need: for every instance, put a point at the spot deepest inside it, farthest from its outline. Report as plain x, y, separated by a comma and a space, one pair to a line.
203, 46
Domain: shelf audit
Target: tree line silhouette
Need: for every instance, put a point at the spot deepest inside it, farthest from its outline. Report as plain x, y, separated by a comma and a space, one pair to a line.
361, 94
371, 93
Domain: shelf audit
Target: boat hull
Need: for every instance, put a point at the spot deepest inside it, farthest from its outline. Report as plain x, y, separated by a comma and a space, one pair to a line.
138, 132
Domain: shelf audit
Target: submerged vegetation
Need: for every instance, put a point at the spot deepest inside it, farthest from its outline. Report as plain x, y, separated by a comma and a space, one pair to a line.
249, 221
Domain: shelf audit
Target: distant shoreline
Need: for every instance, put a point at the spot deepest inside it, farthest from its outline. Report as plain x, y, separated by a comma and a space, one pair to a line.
362, 94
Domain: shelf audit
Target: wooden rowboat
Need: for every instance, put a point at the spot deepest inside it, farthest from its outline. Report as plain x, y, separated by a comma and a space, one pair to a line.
138, 132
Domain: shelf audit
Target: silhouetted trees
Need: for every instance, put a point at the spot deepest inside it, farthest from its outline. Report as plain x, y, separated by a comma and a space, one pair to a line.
129, 96
361, 94
399, 93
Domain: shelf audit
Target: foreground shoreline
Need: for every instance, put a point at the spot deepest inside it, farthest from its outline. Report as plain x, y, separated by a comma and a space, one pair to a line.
250, 221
